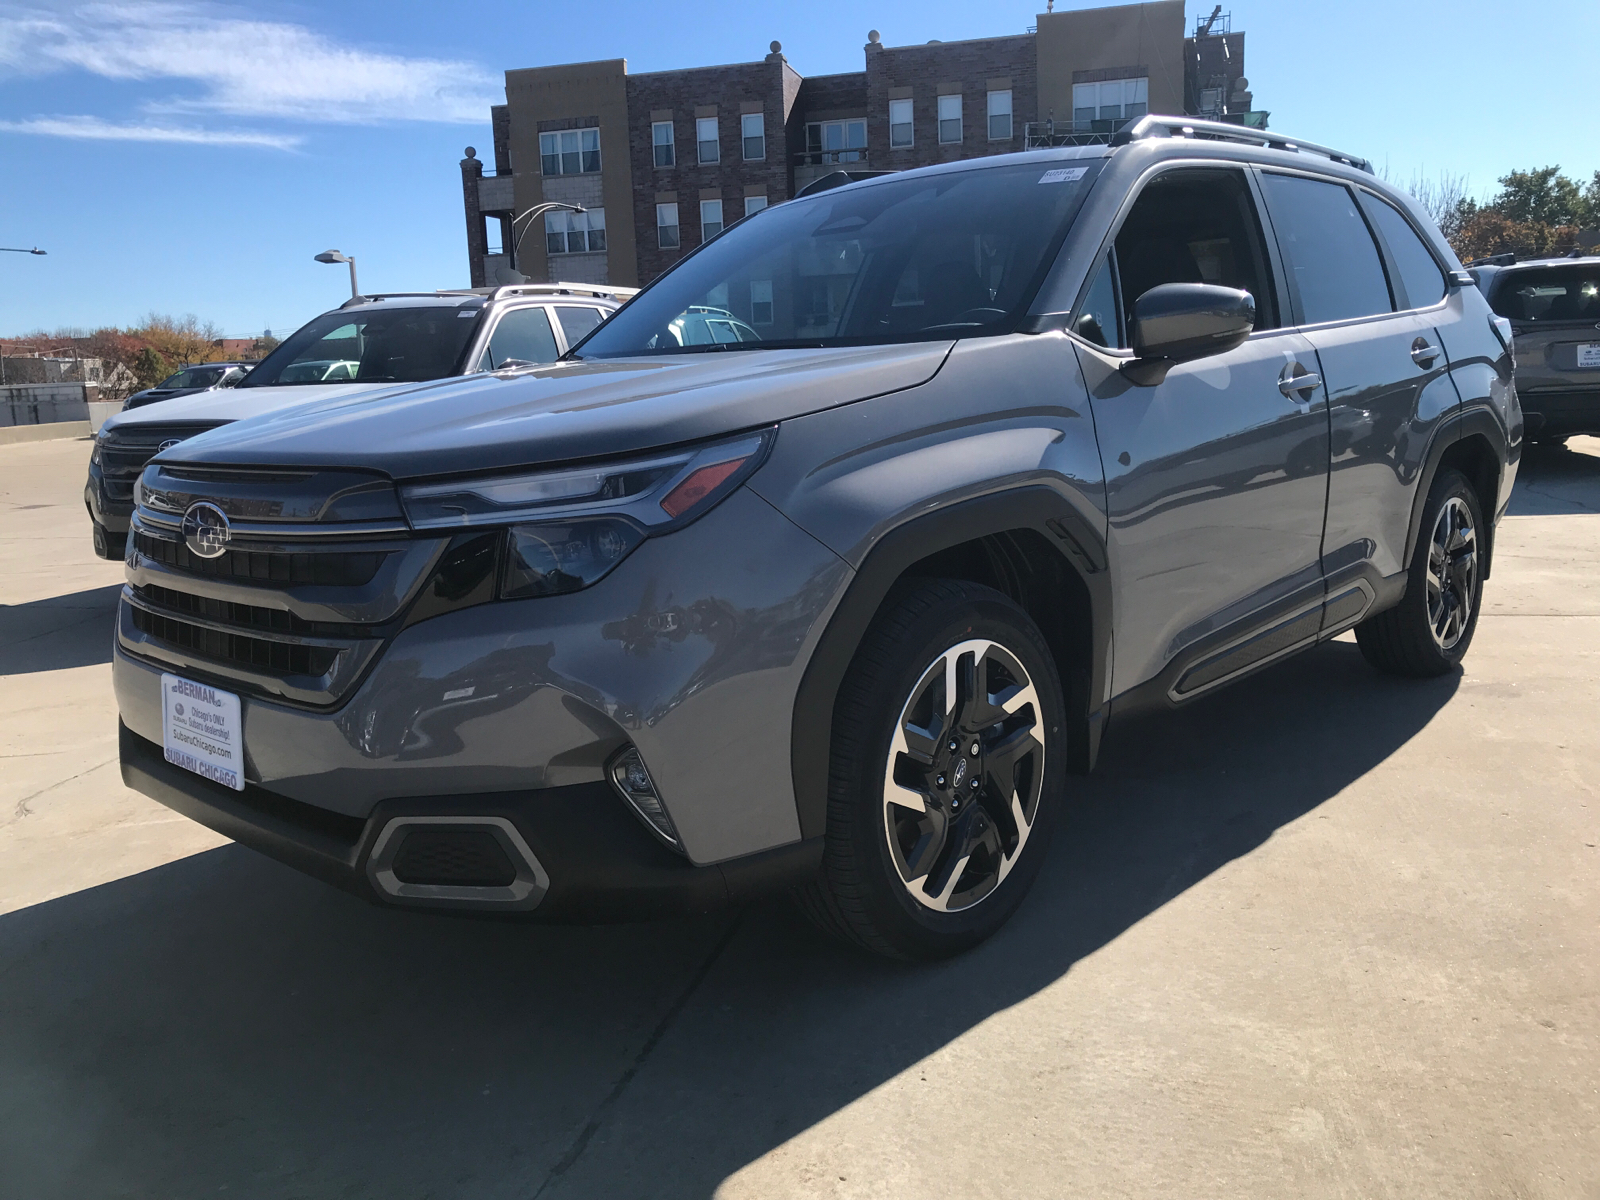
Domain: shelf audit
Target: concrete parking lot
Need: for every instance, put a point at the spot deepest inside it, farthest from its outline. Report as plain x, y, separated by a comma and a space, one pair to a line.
1325, 934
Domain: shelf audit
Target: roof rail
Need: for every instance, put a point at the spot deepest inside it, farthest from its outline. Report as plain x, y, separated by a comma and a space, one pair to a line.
1494, 260
600, 290
404, 295
1153, 125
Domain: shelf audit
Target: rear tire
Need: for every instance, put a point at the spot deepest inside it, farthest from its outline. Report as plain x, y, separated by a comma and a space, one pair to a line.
926, 852
1429, 631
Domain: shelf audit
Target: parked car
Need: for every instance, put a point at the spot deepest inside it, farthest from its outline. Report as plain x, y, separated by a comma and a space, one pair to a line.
198, 377
1553, 306
362, 346
661, 626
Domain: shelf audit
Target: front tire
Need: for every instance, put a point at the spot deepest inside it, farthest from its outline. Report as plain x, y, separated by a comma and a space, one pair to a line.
1429, 631
946, 774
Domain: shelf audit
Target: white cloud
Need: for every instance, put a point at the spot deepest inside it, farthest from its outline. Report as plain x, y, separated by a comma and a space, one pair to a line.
96, 129
241, 67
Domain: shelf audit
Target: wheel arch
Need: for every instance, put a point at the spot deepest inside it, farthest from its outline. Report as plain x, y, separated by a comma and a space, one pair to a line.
1473, 443
1031, 543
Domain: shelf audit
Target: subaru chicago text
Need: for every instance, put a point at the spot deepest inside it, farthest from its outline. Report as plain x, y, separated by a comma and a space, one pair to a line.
839, 605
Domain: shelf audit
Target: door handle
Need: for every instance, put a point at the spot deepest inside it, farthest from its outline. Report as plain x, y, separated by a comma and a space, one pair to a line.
1292, 385
1423, 354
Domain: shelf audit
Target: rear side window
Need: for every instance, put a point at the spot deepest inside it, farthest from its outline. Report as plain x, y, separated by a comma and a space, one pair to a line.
1329, 249
523, 335
577, 322
1549, 294
1420, 274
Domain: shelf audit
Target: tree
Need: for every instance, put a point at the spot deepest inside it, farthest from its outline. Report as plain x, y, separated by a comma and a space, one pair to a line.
1536, 213
181, 340
149, 368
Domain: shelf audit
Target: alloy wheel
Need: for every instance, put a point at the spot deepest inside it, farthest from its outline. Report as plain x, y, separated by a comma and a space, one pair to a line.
1452, 573
965, 770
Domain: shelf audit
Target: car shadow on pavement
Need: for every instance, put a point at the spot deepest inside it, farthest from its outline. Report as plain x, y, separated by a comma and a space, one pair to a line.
58, 632
1558, 481
221, 1022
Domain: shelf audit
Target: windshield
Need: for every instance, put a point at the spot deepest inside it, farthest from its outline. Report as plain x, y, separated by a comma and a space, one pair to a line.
193, 377
1550, 294
382, 345
953, 254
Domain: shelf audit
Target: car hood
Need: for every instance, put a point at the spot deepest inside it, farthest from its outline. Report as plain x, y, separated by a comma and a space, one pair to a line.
564, 411
233, 404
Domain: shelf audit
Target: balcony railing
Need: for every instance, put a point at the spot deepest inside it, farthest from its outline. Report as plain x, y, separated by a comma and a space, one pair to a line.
831, 158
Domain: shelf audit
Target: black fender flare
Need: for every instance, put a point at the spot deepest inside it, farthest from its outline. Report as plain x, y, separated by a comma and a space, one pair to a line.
1478, 420
1082, 547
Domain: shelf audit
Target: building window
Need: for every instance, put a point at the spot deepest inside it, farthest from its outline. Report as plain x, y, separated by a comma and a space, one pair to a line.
710, 219
754, 204
949, 119
705, 136
1107, 107
661, 137
761, 302
570, 152
836, 142
1000, 116
899, 123
575, 233
753, 129
667, 226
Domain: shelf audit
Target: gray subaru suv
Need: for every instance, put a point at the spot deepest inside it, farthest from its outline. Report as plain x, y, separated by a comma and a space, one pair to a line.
1018, 446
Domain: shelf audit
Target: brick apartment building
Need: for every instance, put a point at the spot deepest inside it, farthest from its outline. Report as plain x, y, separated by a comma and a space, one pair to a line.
662, 161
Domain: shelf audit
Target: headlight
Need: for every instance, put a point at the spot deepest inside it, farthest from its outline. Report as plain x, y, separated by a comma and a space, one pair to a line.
569, 527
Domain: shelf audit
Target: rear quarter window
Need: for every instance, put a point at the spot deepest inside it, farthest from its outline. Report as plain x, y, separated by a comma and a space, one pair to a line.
1420, 274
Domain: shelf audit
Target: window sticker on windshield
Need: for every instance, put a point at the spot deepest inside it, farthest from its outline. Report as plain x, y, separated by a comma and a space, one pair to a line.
1064, 175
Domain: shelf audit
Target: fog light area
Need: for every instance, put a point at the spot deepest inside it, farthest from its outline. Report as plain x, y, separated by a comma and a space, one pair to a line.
632, 779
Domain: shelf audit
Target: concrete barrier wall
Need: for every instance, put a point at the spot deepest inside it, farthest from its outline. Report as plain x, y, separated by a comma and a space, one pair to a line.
44, 403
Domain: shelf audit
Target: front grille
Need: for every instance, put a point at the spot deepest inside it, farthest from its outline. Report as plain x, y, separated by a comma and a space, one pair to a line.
124, 455
279, 658
298, 569
231, 612
458, 857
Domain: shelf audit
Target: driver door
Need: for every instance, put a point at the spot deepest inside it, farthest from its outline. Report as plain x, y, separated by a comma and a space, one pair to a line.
1216, 477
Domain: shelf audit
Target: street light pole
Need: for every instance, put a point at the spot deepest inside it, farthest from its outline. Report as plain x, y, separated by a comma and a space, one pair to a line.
23, 250
333, 256
538, 210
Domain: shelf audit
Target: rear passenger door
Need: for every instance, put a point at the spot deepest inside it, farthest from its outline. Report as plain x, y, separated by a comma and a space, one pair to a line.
1216, 478
1354, 263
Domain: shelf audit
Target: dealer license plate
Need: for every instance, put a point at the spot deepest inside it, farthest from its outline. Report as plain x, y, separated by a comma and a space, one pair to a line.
201, 730
1589, 354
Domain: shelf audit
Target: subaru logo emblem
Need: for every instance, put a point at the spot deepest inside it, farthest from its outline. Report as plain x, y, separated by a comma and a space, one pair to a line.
205, 530
167, 445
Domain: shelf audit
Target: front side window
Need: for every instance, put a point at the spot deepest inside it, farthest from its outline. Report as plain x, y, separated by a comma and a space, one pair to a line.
569, 152
1000, 116
522, 336
661, 139
898, 259
949, 119
836, 141
1420, 274
667, 226
1109, 105
754, 204
1191, 226
710, 219
575, 233
899, 123
386, 345
1331, 255
1549, 294
753, 131
705, 134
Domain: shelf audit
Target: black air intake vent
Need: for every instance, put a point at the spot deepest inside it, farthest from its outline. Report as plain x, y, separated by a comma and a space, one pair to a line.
279, 658
299, 569
453, 858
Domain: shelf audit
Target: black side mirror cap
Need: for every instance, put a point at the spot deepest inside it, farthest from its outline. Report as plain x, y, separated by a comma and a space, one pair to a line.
1179, 322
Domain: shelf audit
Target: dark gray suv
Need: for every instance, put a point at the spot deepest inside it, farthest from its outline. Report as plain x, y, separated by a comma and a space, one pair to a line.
1020, 445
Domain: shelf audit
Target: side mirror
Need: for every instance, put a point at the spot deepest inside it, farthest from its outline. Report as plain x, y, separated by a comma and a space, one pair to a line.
1178, 322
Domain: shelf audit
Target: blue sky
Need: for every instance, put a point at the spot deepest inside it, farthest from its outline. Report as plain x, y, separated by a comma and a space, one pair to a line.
191, 156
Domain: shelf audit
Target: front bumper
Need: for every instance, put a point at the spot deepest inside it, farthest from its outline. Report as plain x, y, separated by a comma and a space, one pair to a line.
113, 513
599, 863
